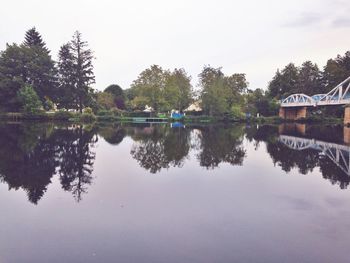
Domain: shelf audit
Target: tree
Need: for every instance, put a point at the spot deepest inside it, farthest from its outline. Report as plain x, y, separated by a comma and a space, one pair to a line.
213, 98
105, 100
26, 64
149, 87
40, 68
213, 91
178, 90
336, 71
236, 84
117, 95
33, 38
309, 79
114, 89
12, 76
285, 82
82, 70
67, 92
30, 101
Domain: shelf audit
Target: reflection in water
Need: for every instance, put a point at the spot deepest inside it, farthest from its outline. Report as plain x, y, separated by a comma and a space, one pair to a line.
315, 146
76, 160
31, 154
221, 144
158, 147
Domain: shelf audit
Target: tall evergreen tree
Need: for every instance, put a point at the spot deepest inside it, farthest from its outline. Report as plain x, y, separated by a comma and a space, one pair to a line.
285, 82
67, 91
75, 73
275, 88
336, 71
33, 38
309, 79
39, 66
82, 69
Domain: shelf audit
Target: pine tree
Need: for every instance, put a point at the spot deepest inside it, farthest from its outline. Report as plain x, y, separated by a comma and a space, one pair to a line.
66, 91
33, 38
41, 70
83, 69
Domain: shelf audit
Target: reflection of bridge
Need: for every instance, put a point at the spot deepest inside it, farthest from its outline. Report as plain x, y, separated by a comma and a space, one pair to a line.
295, 106
339, 154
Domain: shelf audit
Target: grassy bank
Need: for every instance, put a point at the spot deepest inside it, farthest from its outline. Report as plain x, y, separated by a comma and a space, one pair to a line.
130, 117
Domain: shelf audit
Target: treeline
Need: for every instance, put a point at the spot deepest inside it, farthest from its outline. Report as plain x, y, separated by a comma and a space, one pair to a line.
217, 94
30, 79
308, 78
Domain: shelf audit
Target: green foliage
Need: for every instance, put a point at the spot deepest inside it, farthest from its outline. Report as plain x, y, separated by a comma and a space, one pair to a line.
88, 110
213, 97
114, 89
22, 65
149, 87
104, 113
30, 101
105, 100
63, 115
113, 96
48, 104
75, 73
308, 79
178, 90
236, 112
219, 93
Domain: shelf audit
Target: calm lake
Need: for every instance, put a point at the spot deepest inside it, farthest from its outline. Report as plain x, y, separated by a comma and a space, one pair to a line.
169, 193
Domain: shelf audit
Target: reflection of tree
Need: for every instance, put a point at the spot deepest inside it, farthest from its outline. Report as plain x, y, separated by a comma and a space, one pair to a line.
333, 173
221, 144
76, 161
27, 159
306, 160
160, 147
30, 154
112, 134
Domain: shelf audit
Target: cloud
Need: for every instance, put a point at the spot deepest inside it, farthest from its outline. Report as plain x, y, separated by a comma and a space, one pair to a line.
305, 19
341, 22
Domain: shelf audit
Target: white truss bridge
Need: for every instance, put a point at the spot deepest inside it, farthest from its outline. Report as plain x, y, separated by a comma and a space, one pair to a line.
339, 154
340, 95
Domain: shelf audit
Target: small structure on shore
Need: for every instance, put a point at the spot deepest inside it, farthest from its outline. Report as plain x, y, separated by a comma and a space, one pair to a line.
195, 106
148, 109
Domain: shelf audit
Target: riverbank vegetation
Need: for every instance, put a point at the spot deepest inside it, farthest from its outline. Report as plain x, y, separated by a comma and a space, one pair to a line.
35, 86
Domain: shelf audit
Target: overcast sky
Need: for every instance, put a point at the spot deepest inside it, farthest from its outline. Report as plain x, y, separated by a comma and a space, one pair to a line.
249, 36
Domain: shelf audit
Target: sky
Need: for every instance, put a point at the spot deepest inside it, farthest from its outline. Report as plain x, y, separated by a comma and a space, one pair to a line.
248, 36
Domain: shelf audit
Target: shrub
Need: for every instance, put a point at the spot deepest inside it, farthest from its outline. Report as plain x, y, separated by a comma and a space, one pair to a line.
31, 103
63, 115
104, 113
117, 112
88, 110
236, 113
48, 104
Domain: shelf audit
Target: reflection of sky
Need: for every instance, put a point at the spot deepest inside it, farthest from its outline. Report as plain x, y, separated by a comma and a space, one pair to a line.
249, 213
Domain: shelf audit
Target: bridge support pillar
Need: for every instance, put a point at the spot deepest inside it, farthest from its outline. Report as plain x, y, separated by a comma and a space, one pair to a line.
347, 115
347, 135
293, 113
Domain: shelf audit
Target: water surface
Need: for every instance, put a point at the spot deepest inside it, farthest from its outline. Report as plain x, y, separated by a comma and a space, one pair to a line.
169, 193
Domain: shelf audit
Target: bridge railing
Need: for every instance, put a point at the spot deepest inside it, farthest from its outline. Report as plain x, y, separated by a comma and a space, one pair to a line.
339, 95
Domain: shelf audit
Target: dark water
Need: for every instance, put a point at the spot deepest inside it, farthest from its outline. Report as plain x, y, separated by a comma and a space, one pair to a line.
148, 193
